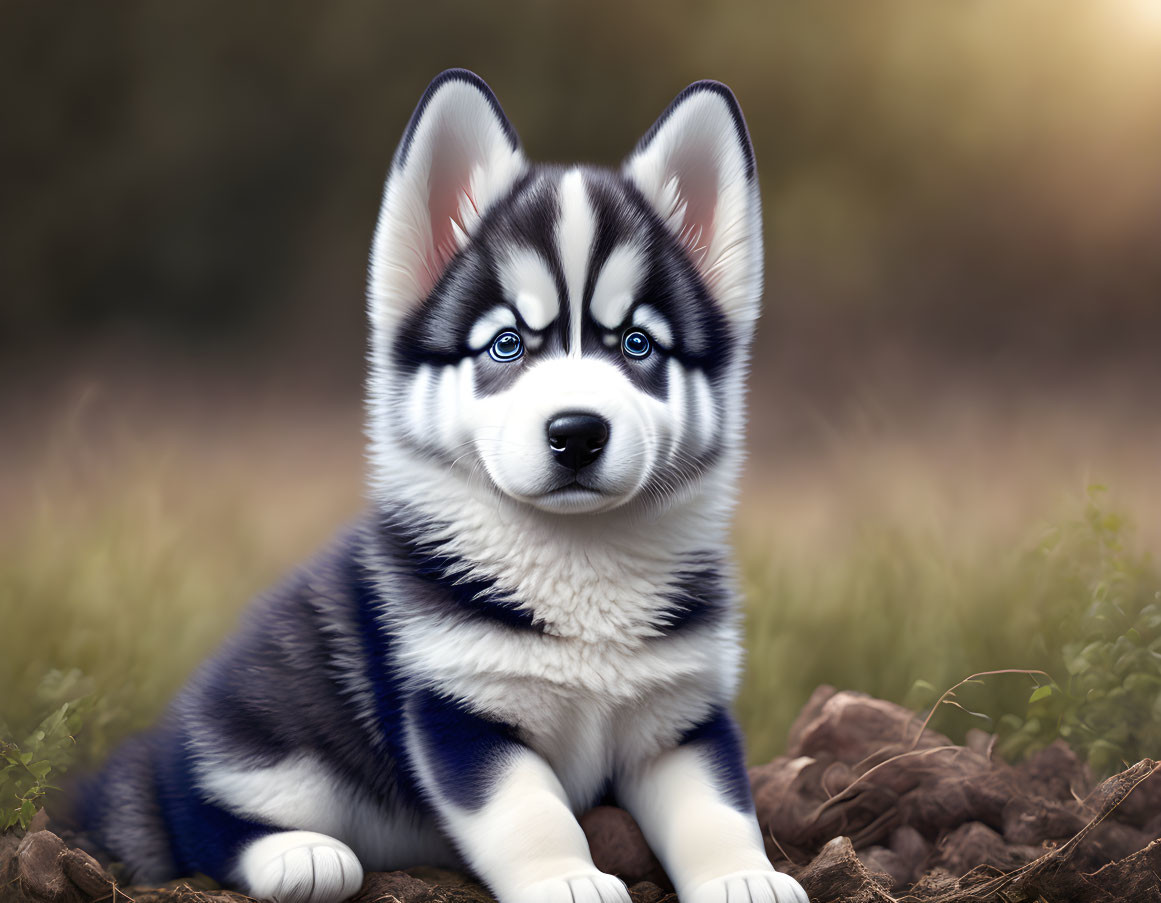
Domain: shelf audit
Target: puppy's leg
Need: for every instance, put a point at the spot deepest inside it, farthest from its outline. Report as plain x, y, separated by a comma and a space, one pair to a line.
504, 808
220, 820
299, 867
694, 805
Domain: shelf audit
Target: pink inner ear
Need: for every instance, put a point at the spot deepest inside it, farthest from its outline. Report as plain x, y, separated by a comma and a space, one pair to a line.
696, 171
449, 185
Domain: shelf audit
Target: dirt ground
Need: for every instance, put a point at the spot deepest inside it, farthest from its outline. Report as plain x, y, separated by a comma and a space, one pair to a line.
863, 808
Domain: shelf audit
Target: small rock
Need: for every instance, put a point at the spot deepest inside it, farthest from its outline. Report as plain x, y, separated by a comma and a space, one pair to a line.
882, 861
86, 873
852, 727
953, 787
648, 892
809, 713
786, 793
1032, 821
974, 844
403, 887
836, 777
38, 868
910, 846
1054, 773
1111, 841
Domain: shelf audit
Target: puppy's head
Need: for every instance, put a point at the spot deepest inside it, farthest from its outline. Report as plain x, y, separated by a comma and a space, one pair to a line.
575, 336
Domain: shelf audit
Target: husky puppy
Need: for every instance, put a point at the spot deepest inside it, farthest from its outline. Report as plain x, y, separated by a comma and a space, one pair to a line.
537, 612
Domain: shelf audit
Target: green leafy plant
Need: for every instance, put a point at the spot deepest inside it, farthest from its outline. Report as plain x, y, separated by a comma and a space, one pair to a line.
1108, 707
44, 753
1104, 645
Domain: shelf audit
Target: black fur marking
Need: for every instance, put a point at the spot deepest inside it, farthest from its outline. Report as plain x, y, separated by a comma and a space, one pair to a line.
119, 809
602, 796
281, 685
670, 283
718, 739
467, 752
698, 596
297, 700
452, 593
204, 838
528, 218
388, 687
436, 332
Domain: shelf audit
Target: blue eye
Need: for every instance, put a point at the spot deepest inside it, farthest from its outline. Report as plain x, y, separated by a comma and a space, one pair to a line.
506, 347
636, 344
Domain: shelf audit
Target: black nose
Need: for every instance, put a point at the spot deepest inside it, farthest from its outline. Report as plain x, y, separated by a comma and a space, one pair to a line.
577, 440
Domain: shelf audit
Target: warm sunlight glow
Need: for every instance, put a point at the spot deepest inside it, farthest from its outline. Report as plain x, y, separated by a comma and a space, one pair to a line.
1143, 13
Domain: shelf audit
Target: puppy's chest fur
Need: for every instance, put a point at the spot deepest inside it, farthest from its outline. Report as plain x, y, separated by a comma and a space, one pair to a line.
592, 709
627, 639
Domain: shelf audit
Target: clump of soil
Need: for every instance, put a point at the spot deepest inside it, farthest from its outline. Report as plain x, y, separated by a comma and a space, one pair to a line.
933, 821
863, 808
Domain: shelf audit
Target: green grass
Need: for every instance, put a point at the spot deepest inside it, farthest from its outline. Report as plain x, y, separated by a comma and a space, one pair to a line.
132, 564
134, 560
904, 616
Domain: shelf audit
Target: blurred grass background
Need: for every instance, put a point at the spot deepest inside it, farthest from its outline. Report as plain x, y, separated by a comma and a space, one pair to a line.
963, 313
888, 555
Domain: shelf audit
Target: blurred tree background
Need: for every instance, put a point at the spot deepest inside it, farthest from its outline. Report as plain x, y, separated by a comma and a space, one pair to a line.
962, 321
981, 176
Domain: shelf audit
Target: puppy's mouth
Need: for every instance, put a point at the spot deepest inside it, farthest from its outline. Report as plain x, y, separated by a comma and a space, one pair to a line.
573, 485
574, 497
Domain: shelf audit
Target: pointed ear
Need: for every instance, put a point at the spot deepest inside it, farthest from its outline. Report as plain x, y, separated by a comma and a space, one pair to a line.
458, 156
696, 167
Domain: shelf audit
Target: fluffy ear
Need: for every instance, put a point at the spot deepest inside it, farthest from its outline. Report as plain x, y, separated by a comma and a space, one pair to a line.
696, 167
458, 156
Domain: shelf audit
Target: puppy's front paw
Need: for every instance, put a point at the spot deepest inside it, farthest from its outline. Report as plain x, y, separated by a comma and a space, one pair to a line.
300, 867
582, 887
765, 886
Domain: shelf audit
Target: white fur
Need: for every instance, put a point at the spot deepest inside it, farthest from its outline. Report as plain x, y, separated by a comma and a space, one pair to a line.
703, 416
529, 285
525, 840
760, 885
603, 685
653, 322
454, 403
300, 792
678, 404
489, 325
459, 163
712, 852
299, 867
418, 410
575, 235
508, 429
616, 285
